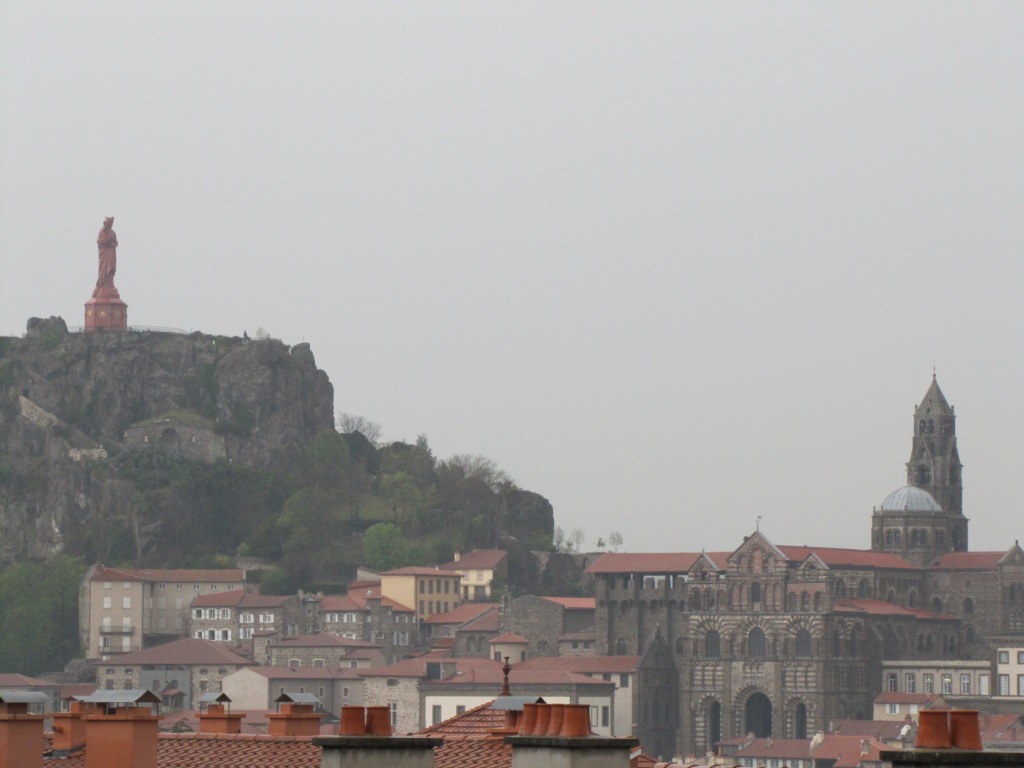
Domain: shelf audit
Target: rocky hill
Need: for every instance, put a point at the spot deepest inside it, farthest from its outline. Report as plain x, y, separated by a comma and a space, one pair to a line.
71, 402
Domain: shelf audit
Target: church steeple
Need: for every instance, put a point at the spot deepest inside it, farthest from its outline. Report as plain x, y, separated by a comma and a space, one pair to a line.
934, 464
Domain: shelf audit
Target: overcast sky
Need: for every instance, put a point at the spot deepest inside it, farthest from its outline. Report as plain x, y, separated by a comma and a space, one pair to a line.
671, 265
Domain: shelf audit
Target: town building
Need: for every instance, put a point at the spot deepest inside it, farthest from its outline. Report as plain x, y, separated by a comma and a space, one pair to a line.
255, 688
236, 616
780, 640
545, 621
180, 671
365, 614
481, 570
122, 610
426, 590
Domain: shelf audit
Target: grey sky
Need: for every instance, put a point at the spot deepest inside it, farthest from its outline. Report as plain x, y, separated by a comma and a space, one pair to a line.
672, 265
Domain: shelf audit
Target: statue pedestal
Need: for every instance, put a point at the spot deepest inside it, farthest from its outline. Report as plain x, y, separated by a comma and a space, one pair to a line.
105, 311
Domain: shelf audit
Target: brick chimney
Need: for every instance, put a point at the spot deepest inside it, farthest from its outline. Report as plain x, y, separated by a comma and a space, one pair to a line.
21, 733
118, 736
69, 728
215, 714
568, 751
296, 715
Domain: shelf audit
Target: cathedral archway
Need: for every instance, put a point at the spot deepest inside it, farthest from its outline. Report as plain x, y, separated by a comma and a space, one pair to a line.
757, 716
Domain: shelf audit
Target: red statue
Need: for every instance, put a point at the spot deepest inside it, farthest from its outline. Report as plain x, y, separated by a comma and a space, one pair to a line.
105, 311
107, 242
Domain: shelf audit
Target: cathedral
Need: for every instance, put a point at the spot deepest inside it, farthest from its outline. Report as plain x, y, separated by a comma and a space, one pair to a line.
779, 640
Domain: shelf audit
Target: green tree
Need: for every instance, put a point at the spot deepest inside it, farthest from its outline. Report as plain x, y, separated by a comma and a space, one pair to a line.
39, 615
384, 547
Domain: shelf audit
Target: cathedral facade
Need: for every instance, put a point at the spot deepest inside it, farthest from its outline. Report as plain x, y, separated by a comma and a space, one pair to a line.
781, 640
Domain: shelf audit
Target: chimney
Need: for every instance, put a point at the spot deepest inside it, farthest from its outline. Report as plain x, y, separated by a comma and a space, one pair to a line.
215, 714
365, 740
119, 733
69, 728
573, 746
21, 733
296, 715
457, 555
865, 746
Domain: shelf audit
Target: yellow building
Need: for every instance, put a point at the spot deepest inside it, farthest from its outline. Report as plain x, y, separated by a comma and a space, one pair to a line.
479, 569
426, 590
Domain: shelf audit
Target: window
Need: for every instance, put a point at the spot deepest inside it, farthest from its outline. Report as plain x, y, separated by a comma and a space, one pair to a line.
605, 715
624, 681
225, 635
593, 717
892, 682
947, 685
394, 714
245, 633
197, 613
179, 603
460, 709
161, 603
1004, 685
929, 682
1020, 685
225, 613
1020, 657
106, 585
247, 618
195, 587
911, 682
107, 602
965, 685
177, 586
1004, 657
712, 645
983, 689
435, 714
344, 693
892, 709
803, 644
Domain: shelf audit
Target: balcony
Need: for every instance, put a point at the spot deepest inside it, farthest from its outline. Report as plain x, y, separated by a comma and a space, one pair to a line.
110, 629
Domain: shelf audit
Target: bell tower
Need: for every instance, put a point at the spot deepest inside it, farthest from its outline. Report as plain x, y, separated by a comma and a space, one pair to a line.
934, 464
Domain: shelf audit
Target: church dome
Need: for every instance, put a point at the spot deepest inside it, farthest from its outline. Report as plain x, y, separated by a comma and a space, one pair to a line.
910, 499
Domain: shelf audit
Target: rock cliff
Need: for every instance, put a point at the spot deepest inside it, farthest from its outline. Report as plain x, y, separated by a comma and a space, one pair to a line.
67, 401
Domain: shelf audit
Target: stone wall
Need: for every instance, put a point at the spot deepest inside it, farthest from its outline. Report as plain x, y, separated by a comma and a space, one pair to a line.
401, 691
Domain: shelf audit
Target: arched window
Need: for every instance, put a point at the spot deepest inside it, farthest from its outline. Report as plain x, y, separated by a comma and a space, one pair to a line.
968, 606
864, 588
680, 646
805, 602
836, 644
923, 475
756, 644
891, 597
803, 644
620, 647
912, 599
800, 721
840, 588
937, 604
755, 592
712, 644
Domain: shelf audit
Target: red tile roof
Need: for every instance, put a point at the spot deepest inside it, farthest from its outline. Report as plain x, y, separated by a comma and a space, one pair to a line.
575, 603
462, 614
852, 558
881, 608
510, 638
15, 680
593, 665
470, 740
103, 573
188, 651
846, 750
968, 561
776, 749
208, 750
488, 622
478, 559
413, 570
239, 598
